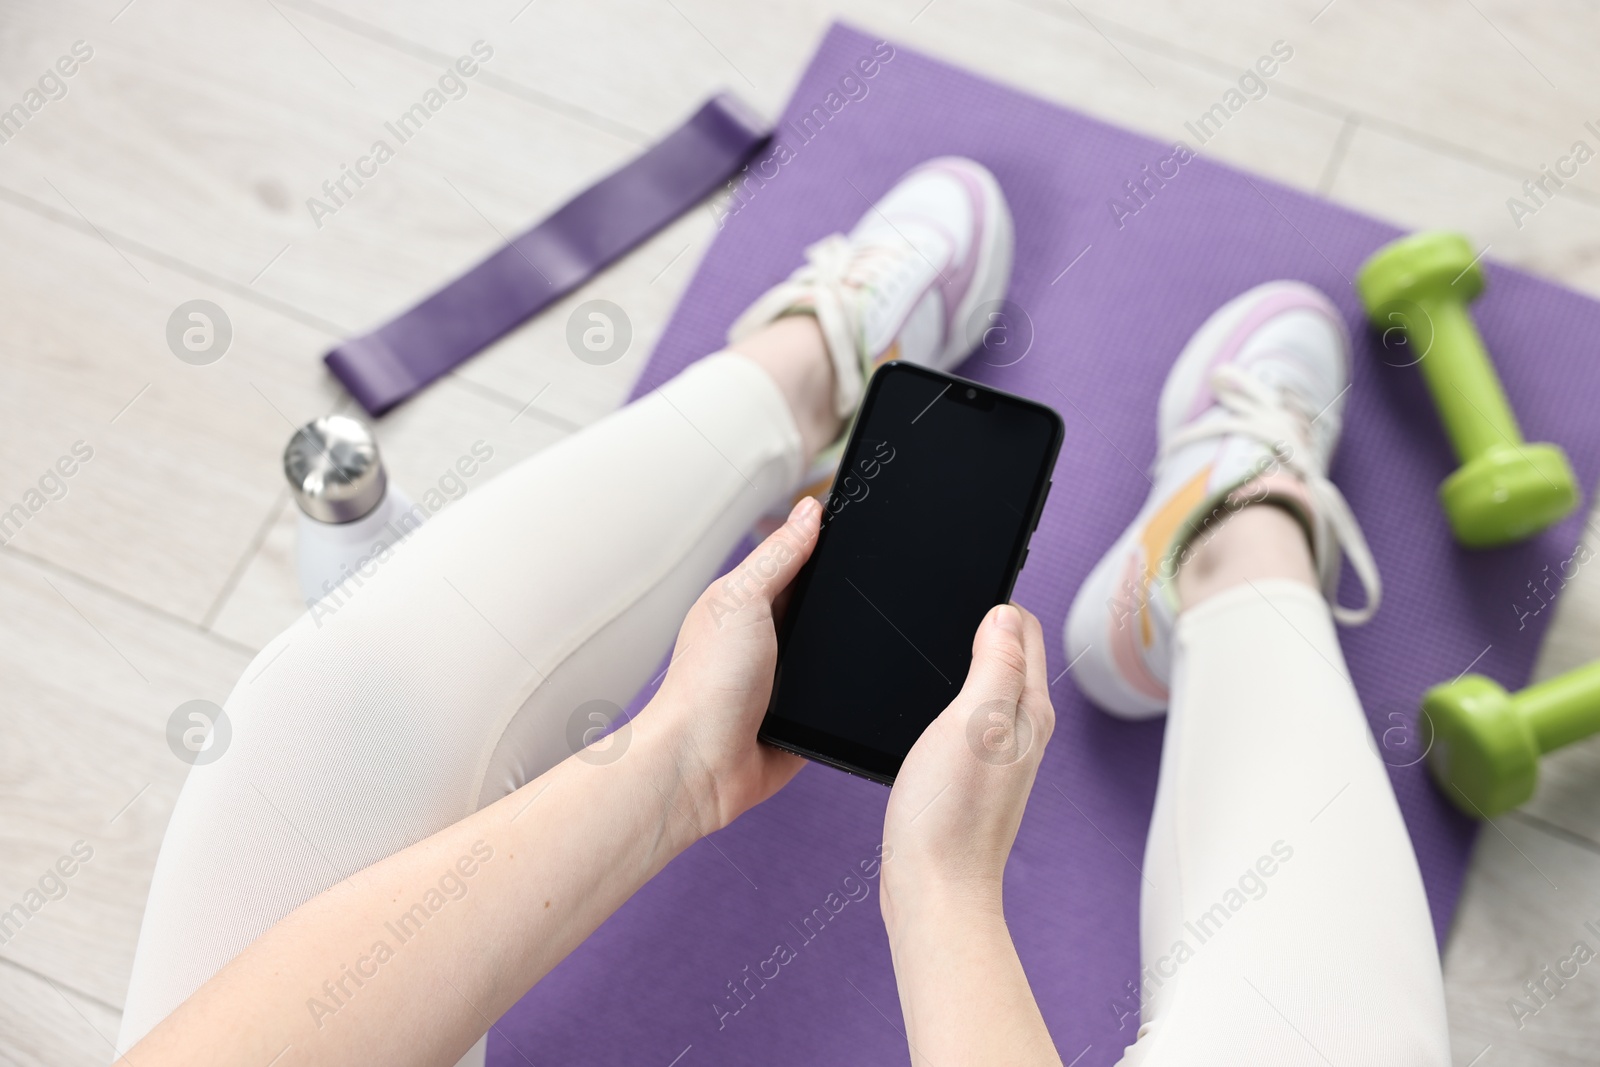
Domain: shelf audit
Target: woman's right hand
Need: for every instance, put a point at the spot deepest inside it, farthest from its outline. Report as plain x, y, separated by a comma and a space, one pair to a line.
958, 800
953, 815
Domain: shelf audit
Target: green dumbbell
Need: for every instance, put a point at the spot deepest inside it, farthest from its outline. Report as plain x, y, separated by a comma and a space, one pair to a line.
1487, 742
1505, 489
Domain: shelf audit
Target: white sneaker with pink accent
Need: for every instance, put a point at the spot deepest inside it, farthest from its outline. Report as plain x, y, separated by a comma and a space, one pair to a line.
905, 284
1250, 413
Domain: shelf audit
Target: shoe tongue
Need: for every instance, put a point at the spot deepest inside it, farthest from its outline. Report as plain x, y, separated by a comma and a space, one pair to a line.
1302, 394
1284, 376
904, 235
1236, 459
880, 265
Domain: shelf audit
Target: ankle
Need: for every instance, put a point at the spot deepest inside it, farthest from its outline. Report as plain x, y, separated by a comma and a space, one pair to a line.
1255, 543
792, 351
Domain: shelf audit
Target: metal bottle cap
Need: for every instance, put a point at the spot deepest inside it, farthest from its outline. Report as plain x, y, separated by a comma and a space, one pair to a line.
334, 469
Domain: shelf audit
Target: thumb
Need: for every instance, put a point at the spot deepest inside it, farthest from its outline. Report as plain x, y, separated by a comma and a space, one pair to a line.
999, 661
772, 565
989, 710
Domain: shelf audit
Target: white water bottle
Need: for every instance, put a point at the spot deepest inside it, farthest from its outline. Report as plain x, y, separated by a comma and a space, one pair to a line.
351, 518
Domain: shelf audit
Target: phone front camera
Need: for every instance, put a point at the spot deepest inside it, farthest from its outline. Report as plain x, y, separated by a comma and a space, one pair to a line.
971, 394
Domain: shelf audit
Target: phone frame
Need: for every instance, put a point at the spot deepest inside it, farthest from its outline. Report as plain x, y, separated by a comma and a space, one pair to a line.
842, 753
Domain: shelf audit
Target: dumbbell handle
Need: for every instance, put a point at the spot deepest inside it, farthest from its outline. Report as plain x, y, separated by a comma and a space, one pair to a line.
1463, 382
1563, 709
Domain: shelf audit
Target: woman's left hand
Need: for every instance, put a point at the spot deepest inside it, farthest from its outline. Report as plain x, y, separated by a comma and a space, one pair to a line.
717, 688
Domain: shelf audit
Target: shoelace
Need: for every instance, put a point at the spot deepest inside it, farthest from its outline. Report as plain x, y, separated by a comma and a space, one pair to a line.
1255, 410
819, 283
834, 265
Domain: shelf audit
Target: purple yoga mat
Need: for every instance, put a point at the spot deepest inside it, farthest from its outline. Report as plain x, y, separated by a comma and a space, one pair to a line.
652, 983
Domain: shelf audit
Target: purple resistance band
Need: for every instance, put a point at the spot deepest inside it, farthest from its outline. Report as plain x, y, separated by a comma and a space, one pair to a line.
388, 365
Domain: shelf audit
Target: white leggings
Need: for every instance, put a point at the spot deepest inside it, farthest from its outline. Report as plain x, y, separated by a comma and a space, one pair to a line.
1283, 918
452, 677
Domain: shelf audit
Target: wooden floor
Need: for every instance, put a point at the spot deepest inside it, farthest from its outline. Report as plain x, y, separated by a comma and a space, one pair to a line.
177, 166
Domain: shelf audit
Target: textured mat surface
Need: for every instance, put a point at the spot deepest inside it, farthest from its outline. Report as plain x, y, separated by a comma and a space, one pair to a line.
1112, 296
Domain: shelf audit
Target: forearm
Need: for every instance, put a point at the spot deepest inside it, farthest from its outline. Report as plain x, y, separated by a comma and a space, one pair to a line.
963, 992
410, 960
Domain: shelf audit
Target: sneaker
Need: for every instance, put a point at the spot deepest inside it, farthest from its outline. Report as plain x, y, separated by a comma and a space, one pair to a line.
905, 284
1250, 413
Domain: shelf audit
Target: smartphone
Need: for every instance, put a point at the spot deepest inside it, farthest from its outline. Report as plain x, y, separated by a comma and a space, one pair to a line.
926, 528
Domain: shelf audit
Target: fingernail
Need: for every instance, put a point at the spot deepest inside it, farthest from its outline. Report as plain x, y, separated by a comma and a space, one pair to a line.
1007, 618
802, 508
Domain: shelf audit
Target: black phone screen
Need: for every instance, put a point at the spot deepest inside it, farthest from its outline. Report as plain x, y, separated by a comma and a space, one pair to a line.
938, 490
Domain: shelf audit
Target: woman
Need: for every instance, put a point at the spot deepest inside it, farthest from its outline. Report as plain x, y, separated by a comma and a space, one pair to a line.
409, 756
